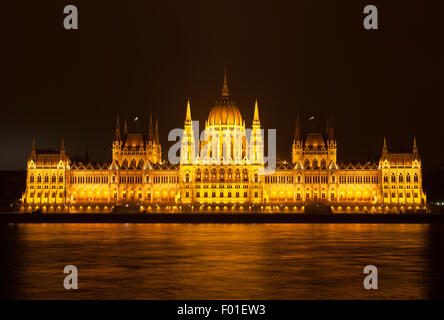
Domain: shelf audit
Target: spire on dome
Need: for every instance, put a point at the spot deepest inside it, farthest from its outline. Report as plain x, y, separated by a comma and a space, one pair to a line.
256, 113
384, 147
225, 90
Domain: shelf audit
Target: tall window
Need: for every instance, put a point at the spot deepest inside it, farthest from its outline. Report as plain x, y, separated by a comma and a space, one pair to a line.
415, 177
393, 177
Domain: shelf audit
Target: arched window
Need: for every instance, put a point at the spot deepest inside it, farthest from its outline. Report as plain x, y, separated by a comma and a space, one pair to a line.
299, 178
237, 175
415, 177
333, 179
222, 174
53, 178
187, 177
113, 179
31, 178
315, 163
60, 178
46, 179
198, 175
401, 178
147, 179
245, 174
407, 178
214, 174
393, 177
256, 177
386, 178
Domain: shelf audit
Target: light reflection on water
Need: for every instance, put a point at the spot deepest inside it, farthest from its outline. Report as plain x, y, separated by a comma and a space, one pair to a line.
221, 261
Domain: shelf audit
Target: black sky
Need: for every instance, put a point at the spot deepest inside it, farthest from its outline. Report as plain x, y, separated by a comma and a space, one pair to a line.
307, 57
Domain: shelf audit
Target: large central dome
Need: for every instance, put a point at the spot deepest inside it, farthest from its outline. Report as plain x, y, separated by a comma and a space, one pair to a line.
225, 111
225, 114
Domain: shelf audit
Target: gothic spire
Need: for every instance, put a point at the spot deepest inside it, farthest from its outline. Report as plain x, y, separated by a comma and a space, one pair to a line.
225, 91
33, 152
125, 128
384, 147
256, 113
415, 148
156, 134
188, 114
118, 136
62, 148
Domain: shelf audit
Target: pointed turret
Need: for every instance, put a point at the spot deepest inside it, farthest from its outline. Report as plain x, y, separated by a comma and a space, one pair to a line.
118, 135
156, 134
62, 147
225, 90
256, 120
34, 151
125, 128
415, 148
384, 147
150, 129
188, 114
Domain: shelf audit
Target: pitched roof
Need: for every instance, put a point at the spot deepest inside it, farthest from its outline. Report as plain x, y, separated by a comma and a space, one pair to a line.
134, 140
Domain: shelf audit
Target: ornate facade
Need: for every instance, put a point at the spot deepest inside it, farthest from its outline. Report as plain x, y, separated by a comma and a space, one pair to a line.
223, 173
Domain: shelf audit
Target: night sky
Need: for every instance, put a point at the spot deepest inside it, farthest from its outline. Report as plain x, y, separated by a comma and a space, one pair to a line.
307, 57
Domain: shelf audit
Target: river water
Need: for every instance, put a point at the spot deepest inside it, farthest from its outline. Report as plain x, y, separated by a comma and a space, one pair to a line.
222, 261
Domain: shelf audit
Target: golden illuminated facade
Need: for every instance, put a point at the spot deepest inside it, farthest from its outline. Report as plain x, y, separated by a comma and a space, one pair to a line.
223, 172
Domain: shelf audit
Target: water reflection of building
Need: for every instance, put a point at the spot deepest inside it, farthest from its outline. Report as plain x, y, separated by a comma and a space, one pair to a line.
138, 175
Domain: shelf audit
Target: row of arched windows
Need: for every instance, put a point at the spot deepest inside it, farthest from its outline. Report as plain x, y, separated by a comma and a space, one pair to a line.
46, 178
401, 178
89, 179
221, 175
359, 179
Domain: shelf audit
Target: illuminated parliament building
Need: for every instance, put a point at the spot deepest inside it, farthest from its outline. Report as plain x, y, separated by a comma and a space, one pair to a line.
220, 181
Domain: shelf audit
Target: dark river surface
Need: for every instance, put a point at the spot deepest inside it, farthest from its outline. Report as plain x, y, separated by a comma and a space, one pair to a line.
222, 261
